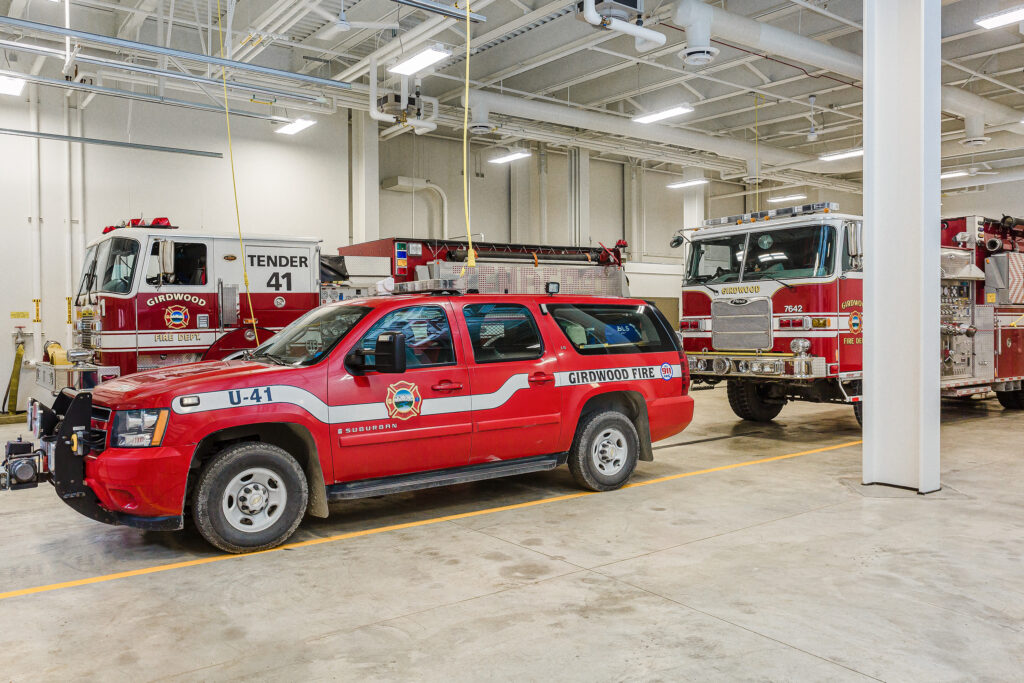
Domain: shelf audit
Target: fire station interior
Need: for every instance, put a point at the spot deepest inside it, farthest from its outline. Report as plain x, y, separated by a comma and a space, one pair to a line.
709, 364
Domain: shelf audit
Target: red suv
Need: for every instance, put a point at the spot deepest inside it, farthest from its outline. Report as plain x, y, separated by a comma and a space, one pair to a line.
363, 398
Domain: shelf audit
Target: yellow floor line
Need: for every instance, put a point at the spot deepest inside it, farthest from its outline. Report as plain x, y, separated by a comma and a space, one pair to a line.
393, 527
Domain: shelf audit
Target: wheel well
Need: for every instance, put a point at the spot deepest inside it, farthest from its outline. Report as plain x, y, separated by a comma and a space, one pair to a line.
629, 403
293, 438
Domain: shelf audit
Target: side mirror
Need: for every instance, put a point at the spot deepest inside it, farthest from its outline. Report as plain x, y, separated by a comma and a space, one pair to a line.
165, 249
388, 356
676, 242
854, 239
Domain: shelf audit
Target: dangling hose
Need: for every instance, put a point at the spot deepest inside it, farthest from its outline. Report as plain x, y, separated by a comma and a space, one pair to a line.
10, 404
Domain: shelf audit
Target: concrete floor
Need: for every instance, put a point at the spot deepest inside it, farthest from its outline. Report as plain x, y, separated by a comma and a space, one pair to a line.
780, 570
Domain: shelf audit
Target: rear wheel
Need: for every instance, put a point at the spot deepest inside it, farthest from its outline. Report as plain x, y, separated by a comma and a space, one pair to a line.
749, 400
250, 496
1011, 400
858, 412
604, 452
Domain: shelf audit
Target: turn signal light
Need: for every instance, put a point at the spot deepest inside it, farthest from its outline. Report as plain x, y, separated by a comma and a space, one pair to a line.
819, 322
689, 324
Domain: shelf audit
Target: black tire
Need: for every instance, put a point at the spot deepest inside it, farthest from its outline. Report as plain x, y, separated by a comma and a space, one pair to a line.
858, 412
222, 486
1011, 400
749, 401
599, 438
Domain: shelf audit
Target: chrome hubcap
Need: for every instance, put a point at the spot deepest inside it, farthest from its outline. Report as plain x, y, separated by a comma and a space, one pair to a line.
254, 500
609, 452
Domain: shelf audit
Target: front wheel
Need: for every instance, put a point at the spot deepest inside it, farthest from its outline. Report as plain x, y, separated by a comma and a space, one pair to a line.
1011, 400
604, 452
250, 496
750, 401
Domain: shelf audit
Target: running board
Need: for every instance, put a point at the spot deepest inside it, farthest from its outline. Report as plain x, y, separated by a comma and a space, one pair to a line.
427, 480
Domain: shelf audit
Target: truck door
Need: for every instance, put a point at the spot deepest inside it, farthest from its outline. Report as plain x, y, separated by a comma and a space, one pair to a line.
516, 407
391, 424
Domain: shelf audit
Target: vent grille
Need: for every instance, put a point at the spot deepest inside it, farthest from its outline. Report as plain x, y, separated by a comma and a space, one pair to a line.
741, 325
87, 332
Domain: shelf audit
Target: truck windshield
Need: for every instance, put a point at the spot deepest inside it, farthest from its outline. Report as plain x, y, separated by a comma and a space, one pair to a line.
311, 337
109, 267
805, 251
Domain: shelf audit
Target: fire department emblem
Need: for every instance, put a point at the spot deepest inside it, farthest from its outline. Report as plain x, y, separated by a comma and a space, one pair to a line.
176, 317
855, 322
403, 400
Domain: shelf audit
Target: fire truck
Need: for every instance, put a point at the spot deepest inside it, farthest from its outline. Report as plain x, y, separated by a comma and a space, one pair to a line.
772, 303
152, 295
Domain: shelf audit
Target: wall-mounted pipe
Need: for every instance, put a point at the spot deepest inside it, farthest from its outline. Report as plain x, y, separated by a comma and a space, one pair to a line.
413, 185
646, 39
35, 217
69, 217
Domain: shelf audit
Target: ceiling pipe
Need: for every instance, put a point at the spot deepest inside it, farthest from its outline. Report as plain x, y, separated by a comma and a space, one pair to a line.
646, 38
772, 40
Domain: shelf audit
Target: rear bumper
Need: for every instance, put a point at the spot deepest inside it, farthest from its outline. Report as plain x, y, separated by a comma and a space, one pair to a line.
669, 416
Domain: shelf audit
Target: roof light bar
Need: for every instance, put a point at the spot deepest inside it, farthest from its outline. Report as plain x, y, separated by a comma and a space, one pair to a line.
787, 198
510, 157
788, 212
420, 61
11, 86
997, 19
687, 183
662, 115
444, 10
295, 126
953, 174
847, 154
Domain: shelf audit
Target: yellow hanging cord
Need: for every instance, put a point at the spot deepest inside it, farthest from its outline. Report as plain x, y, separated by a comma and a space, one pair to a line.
471, 260
234, 185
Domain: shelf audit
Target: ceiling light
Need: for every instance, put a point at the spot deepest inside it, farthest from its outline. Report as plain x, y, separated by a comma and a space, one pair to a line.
295, 126
662, 115
997, 19
11, 86
420, 61
953, 174
848, 154
787, 198
511, 156
687, 183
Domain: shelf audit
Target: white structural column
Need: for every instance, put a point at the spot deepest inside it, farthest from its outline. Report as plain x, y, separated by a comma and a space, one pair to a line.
693, 199
901, 264
529, 198
364, 178
633, 209
579, 196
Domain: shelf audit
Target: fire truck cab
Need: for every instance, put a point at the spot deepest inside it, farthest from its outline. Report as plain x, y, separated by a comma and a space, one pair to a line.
366, 397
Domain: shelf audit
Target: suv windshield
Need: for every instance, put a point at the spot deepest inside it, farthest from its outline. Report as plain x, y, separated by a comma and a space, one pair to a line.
109, 267
806, 251
311, 337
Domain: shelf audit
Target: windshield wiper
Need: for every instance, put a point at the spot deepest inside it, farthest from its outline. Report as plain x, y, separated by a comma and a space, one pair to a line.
773, 277
272, 358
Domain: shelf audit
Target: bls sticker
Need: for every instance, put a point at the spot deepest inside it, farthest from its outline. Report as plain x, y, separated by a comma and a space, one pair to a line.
176, 317
403, 400
855, 322
666, 371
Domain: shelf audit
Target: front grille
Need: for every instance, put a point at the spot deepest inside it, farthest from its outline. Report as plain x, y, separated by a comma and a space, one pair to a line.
741, 324
101, 414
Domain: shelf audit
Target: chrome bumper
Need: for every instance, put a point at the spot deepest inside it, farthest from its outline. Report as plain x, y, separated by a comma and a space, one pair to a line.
763, 366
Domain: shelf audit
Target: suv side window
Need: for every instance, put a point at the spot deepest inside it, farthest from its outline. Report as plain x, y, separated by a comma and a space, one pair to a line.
189, 265
603, 329
502, 332
428, 338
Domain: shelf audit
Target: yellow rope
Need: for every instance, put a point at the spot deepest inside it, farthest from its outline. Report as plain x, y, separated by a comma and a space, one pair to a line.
471, 260
234, 185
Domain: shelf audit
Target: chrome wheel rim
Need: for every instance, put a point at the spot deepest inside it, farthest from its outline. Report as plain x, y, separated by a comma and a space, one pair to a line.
609, 451
254, 500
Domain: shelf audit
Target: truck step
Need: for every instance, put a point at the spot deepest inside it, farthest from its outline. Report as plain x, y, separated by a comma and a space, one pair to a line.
425, 480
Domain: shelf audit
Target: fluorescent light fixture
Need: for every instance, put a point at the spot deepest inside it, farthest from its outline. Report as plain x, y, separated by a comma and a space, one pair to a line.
420, 61
687, 183
510, 157
997, 19
953, 174
11, 86
442, 9
295, 126
662, 115
848, 154
787, 198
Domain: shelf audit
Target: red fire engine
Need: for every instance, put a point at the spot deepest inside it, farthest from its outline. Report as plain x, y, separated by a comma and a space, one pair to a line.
772, 303
361, 398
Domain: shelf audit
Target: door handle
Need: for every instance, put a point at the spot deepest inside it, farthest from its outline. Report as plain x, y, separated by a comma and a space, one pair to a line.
541, 378
447, 386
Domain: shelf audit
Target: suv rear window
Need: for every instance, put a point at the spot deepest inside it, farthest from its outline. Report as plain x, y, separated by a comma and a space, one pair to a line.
603, 329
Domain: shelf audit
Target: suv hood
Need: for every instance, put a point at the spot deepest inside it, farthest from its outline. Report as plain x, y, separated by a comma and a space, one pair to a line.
156, 388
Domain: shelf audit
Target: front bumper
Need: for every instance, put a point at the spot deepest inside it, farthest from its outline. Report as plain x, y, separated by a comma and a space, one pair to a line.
726, 365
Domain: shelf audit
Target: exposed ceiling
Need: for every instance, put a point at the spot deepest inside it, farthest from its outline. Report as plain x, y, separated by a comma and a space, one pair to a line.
543, 51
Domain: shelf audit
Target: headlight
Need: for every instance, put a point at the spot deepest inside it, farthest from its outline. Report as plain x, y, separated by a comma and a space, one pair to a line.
800, 346
743, 366
138, 428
